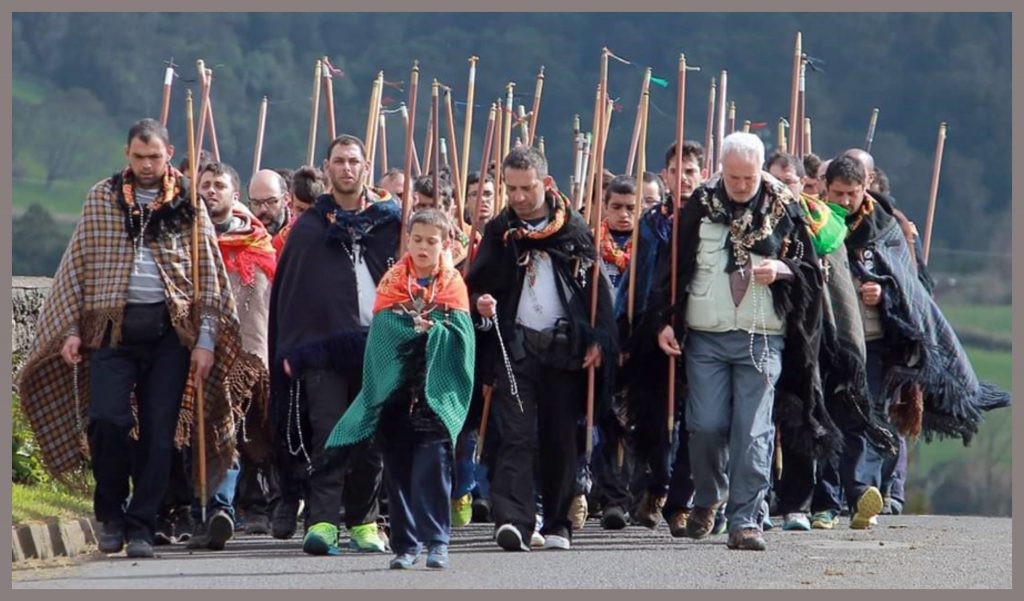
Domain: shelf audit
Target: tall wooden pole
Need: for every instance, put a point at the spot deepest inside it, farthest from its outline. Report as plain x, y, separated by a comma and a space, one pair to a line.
731, 121
314, 114
260, 129
722, 84
644, 89
535, 113
214, 147
467, 129
674, 260
798, 53
165, 103
200, 406
382, 134
204, 103
709, 137
460, 198
409, 127
872, 122
325, 71
933, 193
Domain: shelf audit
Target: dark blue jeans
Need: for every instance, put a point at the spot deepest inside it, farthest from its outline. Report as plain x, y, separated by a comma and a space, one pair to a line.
861, 464
125, 468
418, 473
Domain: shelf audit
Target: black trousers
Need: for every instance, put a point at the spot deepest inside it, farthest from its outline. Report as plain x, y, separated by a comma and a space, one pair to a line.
611, 480
121, 466
553, 401
258, 488
357, 482
796, 487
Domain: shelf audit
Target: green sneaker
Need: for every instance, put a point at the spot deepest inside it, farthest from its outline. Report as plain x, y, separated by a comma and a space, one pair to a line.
321, 539
462, 511
869, 505
366, 538
824, 520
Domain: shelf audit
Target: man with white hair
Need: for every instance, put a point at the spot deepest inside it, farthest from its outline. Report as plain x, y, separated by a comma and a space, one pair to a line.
749, 315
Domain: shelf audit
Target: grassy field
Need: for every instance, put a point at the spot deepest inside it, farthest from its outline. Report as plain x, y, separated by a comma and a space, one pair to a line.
47, 501
994, 440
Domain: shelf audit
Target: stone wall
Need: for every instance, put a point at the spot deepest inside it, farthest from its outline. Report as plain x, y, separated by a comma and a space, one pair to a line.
28, 294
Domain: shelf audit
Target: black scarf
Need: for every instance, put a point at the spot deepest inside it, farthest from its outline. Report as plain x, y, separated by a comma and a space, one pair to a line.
759, 226
169, 217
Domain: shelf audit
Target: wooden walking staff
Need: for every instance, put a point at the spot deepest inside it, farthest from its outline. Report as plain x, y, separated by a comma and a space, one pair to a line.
506, 120
410, 122
783, 146
797, 135
204, 103
807, 136
467, 128
596, 224
731, 121
588, 184
722, 84
871, 130
325, 71
435, 116
644, 89
674, 260
485, 159
933, 194
746, 126
638, 207
460, 197
214, 148
540, 145
415, 156
428, 143
499, 184
260, 128
200, 407
311, 147
537, 92
798, 54
374, 119
382, 133
165, 103
709, 136
444, 152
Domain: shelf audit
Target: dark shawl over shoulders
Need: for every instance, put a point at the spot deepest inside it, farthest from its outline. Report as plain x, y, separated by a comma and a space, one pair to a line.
314, 308
922, 352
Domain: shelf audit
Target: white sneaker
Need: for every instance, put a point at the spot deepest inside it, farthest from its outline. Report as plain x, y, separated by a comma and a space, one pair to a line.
553, 541
537, 540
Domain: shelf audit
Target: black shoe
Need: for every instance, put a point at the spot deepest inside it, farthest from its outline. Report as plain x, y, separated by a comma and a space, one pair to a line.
283, 527
183, 524
164, 534
138, 547
220, 530
198, 538
481, 511
111, 539
257, 524
613, 518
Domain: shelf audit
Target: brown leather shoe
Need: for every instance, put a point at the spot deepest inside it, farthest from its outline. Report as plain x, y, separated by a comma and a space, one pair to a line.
747, 539
677, 523
648, 511
700, 522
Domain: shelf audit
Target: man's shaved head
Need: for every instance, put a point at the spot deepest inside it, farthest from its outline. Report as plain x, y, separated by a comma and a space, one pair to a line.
864, 157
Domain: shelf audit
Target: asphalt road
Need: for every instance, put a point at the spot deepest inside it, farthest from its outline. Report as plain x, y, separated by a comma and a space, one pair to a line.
902, 552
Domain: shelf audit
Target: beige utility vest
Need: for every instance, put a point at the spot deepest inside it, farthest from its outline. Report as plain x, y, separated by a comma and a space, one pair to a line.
710, 308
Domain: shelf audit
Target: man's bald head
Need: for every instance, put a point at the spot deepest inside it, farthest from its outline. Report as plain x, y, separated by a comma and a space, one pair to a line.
864, 157
268, 196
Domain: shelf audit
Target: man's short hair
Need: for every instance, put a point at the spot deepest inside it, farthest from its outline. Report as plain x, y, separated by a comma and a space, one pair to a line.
745, 145
218, 169
620, 184
474, 178
147, 129
204, 157
524, 158
846, 169
307, 184
424, 185
346, 140
391, 174
785, 161
811, 165
434, 217
691, 150
654, 178
882, 181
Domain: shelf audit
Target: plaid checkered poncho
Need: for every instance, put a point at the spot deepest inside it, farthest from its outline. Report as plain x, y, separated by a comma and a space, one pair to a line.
89, 294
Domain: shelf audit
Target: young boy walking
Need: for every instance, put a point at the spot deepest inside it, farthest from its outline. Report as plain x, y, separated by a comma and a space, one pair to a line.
416, 389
